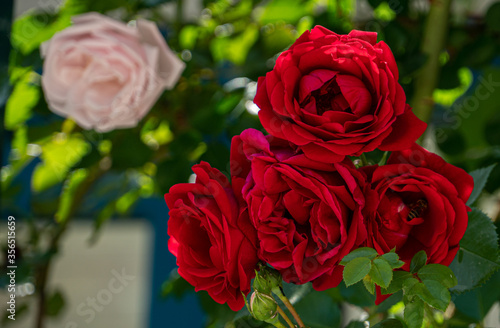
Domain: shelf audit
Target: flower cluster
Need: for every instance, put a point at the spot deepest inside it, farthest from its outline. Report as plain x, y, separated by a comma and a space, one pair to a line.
296, 201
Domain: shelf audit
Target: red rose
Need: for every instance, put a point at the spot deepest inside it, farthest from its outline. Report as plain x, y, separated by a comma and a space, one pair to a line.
307, 214
336, 95
213, 240
417, 202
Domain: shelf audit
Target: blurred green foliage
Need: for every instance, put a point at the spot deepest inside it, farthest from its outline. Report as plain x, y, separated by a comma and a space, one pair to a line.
226, 48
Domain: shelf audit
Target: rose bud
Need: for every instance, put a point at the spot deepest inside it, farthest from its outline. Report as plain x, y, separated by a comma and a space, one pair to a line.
266, 279
263, 307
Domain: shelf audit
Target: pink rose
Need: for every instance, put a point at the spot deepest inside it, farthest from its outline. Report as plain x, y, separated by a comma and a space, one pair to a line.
105, 74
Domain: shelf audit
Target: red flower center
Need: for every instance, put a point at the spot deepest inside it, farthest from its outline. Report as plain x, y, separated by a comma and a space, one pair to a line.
328, 97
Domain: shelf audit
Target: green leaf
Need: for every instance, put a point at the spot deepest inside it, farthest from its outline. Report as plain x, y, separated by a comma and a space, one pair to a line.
418, 261
480, 178
398, 279
478, 257
289, 11
389, 323
414, 313
318, 310
355, 294
58, 155
439, 273
20, 103
32, 29
236, 48
20, 140
175, 286
356, 270
475, 304
68, 194
409, 288
433, 293
393, 260
369, 284
359, 252
381, 272
188, 36
480, 52
217, 314
104, 215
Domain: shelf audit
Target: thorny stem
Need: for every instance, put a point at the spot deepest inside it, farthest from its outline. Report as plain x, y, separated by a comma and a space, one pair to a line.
289, 306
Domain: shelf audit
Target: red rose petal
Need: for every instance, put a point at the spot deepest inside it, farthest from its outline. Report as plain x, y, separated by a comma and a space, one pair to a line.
370, 37
405, 130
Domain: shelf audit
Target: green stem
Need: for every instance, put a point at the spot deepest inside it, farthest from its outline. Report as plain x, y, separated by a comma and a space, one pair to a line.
285, 317
289, 306
364, 160
278, 324
433, 44
383, 160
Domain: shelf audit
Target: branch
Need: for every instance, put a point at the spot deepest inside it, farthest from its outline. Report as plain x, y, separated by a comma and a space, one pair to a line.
44, 269
435, 31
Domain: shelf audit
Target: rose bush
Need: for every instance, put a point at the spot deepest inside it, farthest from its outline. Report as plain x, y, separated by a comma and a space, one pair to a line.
105, 74
307, 214
417, 202
212, 237
336, 95
314, 213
